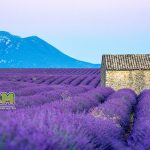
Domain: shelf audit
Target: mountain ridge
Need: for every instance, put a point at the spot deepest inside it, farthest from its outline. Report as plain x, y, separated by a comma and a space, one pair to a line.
34, 52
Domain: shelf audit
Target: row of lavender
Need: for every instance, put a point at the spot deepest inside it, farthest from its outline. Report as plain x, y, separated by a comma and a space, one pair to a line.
74, 77
116, 110
51, 71
46, 125
56, 80
140, 136
29, 94
74, 123
71, 115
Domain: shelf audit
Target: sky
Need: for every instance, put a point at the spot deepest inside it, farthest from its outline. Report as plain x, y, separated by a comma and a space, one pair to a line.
83, 29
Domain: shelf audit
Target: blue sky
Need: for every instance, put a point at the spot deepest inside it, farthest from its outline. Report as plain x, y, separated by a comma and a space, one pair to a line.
82, 29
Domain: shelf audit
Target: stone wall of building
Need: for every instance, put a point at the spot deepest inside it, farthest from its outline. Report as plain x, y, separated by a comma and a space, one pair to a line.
136, 79
103, 76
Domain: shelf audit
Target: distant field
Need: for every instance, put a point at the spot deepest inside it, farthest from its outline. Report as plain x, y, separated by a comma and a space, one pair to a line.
67, 109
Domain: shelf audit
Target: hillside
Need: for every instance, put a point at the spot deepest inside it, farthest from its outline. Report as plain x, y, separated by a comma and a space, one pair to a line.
33, 52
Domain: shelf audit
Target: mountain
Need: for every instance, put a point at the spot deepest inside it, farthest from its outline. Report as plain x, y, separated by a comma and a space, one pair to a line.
33, 52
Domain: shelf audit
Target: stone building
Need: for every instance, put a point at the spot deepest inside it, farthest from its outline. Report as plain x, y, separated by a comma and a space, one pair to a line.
126, 71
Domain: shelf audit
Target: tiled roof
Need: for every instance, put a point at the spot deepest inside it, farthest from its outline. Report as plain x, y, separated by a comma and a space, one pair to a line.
126, 62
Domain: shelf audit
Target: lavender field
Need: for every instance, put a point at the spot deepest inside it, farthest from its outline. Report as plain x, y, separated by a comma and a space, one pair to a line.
67, 109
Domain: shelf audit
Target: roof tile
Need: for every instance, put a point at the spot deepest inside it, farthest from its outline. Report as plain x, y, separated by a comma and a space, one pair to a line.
126, 62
